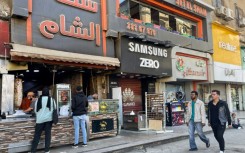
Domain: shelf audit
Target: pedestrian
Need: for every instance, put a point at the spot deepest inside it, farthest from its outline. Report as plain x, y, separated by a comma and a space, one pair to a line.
79, 113
218, 115
235, 122
93, 97
196, 120
43, 108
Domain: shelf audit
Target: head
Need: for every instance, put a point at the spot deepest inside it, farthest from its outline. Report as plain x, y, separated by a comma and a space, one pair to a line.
45, 91
194, 95
95, 96
30, 95
79, 89
215, 94
233, 115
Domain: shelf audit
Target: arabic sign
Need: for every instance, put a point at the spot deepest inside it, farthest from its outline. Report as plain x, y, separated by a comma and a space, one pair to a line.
144, 58
66, 25
189, 5
191, 68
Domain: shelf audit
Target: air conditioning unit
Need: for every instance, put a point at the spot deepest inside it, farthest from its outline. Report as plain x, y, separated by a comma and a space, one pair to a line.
242, 22
242, 38
220, 11
229, 15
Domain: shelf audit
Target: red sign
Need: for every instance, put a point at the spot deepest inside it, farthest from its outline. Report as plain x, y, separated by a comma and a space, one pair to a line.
4, 37
141, 29
192, 7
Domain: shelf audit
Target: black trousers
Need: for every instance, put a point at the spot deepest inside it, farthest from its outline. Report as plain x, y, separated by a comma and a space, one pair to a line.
219, 131
46, 126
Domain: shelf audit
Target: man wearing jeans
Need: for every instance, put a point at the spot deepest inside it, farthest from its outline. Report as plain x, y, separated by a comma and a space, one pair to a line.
195, 120
79, 113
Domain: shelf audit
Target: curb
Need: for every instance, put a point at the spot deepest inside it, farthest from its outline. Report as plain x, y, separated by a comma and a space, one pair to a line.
124, 149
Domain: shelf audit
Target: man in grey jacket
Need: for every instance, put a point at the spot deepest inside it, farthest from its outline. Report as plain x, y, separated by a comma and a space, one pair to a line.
195, 120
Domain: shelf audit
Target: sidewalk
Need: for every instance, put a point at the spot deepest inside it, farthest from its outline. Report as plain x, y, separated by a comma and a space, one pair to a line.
129, 140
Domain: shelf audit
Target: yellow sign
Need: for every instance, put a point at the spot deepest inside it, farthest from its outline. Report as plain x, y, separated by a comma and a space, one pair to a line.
226, 45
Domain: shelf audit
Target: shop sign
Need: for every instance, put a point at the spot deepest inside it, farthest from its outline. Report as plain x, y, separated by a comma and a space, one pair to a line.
131, 26
63, 86
191, 68
229, 72
144, 58
226, 46
128, 97
102, 125
93, 106
66, 25
189, 5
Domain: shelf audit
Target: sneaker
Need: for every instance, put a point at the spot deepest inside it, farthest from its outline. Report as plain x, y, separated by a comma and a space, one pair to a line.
84, 145
193, 149
222, 152
239, 128
208, 144
74, 146
47, 152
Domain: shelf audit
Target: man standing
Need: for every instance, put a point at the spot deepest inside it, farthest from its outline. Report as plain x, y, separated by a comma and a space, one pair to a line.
79, 113
195, 120
218, 115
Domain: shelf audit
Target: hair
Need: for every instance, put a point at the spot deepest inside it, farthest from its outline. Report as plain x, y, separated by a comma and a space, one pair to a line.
195, 92
233, 114
217, 92
79, 88
45, 91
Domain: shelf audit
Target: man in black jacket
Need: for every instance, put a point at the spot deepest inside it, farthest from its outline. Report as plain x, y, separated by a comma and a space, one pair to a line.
218, 115
79, 113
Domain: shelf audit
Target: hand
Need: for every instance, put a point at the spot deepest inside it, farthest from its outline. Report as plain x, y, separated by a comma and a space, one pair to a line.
230, 126
203, 124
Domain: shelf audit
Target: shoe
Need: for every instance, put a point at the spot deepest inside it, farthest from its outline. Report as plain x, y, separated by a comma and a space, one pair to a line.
208, 144
239, 128
75, 146
84, 145
47, 152
193, 149
222, 152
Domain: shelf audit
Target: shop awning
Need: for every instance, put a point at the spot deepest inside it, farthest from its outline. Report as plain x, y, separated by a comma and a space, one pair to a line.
42, 55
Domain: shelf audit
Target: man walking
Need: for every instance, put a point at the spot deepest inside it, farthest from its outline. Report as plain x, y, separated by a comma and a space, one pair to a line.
79, 113
195, 120
218, 115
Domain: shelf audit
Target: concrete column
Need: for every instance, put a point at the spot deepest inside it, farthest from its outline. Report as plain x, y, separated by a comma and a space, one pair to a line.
240, 98
228, 97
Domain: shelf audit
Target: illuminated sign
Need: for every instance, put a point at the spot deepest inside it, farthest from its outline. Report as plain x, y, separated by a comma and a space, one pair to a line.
189, 5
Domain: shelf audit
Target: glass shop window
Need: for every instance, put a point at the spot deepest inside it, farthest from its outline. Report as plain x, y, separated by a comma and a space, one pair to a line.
155, 16
145, 14
185, 27
124, 7
134, 10
164, 20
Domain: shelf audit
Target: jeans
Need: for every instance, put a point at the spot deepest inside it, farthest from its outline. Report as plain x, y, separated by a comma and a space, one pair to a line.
46, 126
198, 127
219, 131
80, 121
236, 126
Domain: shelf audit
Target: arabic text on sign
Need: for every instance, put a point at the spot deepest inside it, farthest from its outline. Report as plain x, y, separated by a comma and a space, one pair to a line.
48, 28
87, 5
141, 29
192, 7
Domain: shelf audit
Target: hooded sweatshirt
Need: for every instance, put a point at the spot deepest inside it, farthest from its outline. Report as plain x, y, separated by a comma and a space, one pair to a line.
79, 104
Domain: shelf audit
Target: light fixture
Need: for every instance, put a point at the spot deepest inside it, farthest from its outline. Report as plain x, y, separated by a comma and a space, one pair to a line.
98, 71
131, 77
156, 43
63, 71
130, 37
21, 74
27, 71
137, 75
36, 71
82, 71
144, 40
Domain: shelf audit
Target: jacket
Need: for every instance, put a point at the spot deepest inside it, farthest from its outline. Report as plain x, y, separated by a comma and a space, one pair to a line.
79, 104
200, 115
224, 112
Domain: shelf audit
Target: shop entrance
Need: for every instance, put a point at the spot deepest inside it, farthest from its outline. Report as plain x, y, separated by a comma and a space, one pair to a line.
236, 97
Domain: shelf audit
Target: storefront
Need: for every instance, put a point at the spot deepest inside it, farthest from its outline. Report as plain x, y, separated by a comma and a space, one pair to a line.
61, 50
228, 73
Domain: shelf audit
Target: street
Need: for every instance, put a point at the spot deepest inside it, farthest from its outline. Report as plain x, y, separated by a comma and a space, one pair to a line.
234, 140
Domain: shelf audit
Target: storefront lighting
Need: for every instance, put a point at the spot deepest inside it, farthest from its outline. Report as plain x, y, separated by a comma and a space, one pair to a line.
131, 77
82, 71
137, 75
27, 70
156, 43
98, 71
21, 74
144, 40
36, 71
130, 37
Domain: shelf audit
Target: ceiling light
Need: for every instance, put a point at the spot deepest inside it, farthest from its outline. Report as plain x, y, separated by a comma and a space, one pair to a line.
130, 37
36, 71
27, 70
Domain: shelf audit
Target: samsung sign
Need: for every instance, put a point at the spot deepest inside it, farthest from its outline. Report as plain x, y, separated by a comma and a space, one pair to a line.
145, 58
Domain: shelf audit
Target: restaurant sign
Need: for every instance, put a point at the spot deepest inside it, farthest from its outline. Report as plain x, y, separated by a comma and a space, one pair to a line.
144, 58
191, 68
72, 26
191, 6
